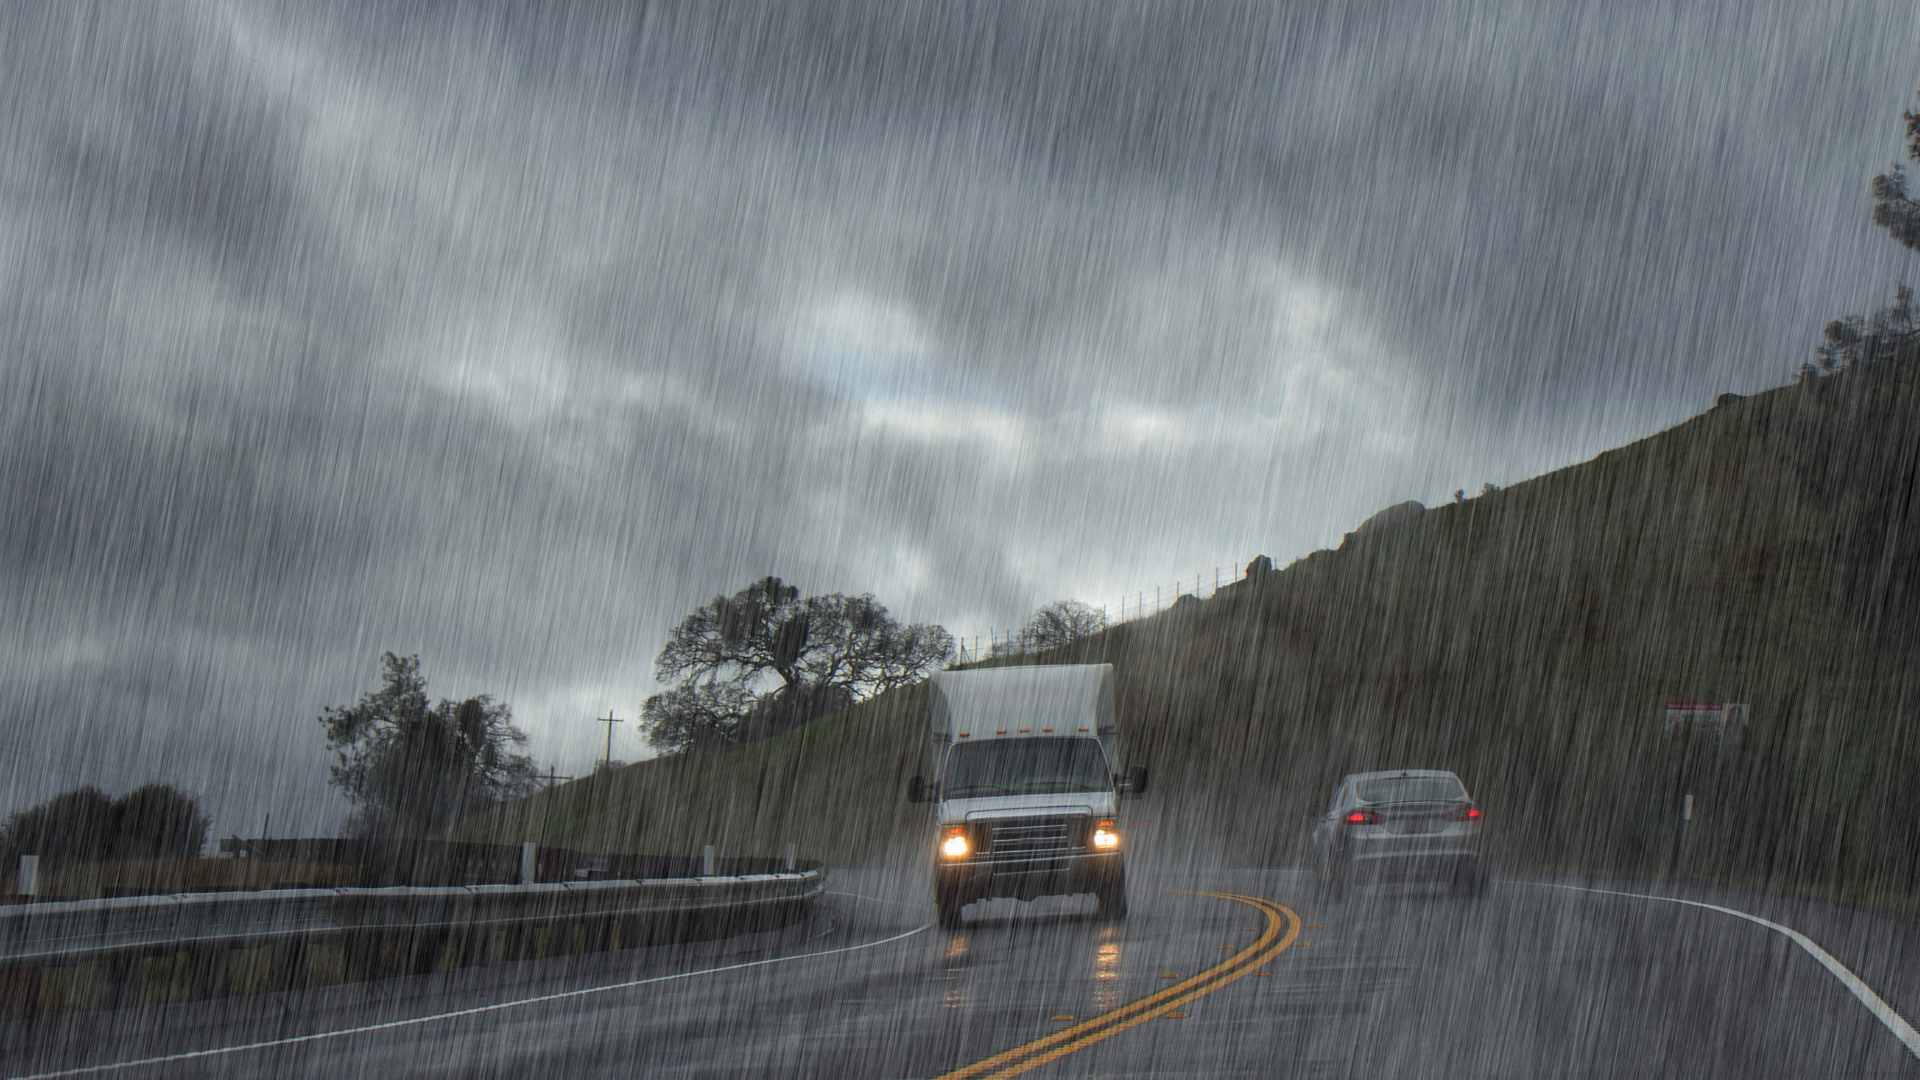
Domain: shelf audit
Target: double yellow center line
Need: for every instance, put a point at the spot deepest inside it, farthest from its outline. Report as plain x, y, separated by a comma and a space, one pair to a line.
1272, 942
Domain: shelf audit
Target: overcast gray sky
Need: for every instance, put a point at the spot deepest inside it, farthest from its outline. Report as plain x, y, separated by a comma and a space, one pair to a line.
327, 329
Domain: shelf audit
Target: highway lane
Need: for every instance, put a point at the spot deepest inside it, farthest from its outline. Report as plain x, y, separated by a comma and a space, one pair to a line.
1528, 981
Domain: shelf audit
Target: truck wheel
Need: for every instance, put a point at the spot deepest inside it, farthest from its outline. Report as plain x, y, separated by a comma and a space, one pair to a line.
947, 913
1113, 901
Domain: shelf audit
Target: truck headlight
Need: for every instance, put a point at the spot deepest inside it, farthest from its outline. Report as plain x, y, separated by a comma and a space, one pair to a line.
1104, 836
955, 845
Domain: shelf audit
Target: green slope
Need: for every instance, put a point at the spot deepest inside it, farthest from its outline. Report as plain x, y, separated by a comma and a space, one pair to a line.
1526, 639
830, 787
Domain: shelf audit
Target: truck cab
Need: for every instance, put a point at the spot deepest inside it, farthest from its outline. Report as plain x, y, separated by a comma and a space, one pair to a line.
1023, 783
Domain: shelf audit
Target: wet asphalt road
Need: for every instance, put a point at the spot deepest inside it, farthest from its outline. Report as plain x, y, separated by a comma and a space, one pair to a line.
1527, 981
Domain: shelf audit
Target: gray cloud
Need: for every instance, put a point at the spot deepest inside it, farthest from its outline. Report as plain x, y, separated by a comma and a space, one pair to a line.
507, 336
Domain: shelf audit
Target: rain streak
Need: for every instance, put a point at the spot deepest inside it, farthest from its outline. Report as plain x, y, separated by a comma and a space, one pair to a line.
1243, 538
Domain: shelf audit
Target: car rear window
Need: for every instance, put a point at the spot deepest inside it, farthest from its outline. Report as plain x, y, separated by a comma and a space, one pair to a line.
1410, 789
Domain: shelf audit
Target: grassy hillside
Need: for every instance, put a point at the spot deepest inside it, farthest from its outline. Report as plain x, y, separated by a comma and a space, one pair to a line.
831, 787
1527, 639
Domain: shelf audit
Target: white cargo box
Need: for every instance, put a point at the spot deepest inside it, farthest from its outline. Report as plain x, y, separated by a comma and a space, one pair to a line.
1053, 701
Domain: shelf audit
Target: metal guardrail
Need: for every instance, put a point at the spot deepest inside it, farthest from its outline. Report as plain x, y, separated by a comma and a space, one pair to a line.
67, 931
119, 933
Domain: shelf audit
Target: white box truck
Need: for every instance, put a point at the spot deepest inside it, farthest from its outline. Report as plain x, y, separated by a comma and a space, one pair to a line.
1026, 798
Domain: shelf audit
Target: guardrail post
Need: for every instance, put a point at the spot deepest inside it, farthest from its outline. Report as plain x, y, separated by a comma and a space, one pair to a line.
706, 861
529, 862
29, 883
207, 968
790, 857
288, 967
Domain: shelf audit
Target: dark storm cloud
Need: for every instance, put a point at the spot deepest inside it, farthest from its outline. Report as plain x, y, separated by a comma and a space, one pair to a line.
162, 143
508, 334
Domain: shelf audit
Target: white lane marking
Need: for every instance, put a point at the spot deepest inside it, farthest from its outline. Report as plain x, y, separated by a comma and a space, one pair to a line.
1881, 1011
476, 1010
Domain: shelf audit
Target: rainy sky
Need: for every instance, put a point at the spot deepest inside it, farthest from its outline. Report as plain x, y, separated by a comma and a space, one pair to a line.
506, 334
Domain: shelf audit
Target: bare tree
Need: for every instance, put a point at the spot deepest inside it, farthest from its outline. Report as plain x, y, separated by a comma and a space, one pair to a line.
767, 655
696, 714
1062, 622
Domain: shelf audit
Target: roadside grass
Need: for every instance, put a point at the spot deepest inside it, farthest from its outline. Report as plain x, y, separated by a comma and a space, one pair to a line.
825, 787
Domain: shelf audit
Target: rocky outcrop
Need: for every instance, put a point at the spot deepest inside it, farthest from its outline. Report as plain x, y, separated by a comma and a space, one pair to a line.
1386, 519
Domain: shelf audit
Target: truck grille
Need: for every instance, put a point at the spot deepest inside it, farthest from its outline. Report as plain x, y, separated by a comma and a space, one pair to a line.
1036, 835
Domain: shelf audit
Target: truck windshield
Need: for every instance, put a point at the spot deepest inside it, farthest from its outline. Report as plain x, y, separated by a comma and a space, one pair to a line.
1026, 767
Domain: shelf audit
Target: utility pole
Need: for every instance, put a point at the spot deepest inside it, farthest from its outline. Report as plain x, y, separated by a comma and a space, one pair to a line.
609, 721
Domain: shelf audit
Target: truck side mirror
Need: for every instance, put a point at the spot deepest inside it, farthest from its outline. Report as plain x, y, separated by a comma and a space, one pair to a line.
1137, 781
917, 788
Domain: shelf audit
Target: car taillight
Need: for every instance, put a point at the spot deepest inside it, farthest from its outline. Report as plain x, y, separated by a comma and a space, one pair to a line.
1363, 817
1466, 813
